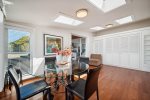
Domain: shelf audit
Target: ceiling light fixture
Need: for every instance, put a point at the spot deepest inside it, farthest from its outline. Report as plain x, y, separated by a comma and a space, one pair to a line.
109, 25
81, 13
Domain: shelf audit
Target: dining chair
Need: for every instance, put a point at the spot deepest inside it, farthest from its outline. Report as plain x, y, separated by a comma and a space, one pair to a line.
82, 66
84, 59
29, 90
95, 60
7, 82
84, 88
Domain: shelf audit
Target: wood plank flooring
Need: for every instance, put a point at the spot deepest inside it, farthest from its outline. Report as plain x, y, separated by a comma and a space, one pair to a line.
114, 84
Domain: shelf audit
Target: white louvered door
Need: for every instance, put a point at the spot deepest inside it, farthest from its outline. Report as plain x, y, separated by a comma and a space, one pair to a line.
134, 50
146, 50
128, 50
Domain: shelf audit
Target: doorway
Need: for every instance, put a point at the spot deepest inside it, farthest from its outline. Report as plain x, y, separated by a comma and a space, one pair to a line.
78, 47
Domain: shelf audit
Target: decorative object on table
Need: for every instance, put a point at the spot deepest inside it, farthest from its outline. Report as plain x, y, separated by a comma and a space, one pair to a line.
52, 44
63, 56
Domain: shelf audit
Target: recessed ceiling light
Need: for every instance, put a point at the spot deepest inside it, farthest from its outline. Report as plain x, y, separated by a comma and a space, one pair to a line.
97, 28
67, 20
124, 20
107, 5
109, 25
81, 13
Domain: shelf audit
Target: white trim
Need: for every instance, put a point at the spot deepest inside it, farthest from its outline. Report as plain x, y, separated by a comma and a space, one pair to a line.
120, 33
18, 27
26, 29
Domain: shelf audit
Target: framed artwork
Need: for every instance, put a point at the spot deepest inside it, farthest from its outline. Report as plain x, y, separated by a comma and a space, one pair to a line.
52, 44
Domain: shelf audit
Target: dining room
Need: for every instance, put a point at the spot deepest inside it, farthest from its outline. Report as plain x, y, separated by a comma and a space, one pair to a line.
74, 50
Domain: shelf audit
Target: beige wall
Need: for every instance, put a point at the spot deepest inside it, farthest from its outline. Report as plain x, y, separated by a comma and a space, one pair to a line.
126, 27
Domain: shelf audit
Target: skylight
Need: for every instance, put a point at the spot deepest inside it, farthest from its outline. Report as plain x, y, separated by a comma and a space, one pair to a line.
124, 20
67, 20
97, 28
107, 5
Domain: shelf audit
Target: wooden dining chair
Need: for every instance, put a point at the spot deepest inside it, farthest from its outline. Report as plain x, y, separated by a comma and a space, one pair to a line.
84, 88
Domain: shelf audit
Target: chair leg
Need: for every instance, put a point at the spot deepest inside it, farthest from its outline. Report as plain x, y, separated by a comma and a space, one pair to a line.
79, 76
44, 95
97, 94
71, 96
66, 94
49, 94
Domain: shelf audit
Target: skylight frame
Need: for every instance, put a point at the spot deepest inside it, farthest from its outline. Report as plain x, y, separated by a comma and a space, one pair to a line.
124, 20
107, 5
97, 28
67, 20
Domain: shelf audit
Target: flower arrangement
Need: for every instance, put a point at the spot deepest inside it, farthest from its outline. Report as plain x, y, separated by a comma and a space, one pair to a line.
65, 52
63, 55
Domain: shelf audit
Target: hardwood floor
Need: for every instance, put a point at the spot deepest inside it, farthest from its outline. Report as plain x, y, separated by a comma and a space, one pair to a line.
114, 84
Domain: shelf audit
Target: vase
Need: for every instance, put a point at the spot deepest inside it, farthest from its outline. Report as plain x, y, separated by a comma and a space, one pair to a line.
67, 58
59, 58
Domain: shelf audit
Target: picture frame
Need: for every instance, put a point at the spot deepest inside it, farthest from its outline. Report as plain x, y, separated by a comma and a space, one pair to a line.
52, 43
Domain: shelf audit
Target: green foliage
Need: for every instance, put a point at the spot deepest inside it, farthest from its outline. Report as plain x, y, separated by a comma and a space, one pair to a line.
20, 45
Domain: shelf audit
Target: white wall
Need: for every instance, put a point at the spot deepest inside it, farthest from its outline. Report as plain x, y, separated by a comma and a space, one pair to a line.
37, 38
2, 52
37, 33
66, 34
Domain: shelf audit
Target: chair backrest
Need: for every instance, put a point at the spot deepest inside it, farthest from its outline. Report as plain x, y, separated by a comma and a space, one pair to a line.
84, 59
14, 77
49, 60
95, 56
92, 82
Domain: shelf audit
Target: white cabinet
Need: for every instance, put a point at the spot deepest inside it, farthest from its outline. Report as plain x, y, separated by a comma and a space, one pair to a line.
146, 50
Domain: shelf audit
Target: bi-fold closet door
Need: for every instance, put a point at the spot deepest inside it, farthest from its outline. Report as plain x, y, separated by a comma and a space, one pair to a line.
122, 50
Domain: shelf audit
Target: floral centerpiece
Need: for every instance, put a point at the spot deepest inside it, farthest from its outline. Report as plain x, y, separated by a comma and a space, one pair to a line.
63, 55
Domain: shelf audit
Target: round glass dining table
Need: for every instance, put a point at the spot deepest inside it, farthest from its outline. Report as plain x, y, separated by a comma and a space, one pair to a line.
64, 73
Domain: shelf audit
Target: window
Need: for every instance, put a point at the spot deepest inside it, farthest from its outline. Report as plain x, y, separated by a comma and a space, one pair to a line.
19, 50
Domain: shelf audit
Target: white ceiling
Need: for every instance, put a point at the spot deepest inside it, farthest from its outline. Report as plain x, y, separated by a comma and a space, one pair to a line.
43, 12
